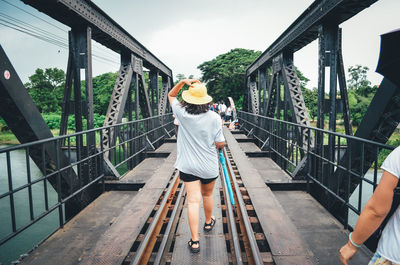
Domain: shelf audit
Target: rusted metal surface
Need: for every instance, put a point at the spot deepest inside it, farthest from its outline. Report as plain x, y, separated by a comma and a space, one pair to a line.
282, 236
146, 247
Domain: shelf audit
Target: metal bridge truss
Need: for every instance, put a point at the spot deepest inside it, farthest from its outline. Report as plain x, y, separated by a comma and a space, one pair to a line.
25, 121
87, 22
321, 20
292, 105
378, 124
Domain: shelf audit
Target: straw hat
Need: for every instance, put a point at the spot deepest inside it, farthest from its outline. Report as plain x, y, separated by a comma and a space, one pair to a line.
196, 94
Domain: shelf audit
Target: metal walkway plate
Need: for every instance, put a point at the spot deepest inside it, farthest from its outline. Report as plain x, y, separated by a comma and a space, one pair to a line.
212, 244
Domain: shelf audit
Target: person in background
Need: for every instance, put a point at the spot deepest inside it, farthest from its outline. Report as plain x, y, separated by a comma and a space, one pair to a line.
212, 107
222, 110
228, 116
200, 135
373, 214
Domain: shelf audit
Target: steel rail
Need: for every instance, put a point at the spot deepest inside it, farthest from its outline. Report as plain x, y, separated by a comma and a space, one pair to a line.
232, 224
249, 230
167, 233
143, 247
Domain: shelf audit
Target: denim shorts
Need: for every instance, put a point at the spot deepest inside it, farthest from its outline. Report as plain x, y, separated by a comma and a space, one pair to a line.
379, 260
189, 177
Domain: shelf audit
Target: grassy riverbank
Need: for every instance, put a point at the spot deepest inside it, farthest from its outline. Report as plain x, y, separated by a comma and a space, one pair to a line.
8, 138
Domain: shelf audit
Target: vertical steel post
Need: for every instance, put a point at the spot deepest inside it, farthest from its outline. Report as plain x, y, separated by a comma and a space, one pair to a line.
342, 85
321, 81
153, 75
67, 93
319, 139
331, 50
82, 59
262, 86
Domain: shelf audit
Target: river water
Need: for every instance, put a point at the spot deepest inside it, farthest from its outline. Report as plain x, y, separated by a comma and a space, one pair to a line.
367, 190
40, 230
27, 240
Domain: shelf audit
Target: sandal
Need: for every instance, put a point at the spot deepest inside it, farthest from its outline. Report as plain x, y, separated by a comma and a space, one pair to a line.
211, 225
192, 249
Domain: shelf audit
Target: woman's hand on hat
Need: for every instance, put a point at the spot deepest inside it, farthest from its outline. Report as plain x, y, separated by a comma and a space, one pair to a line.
189, 82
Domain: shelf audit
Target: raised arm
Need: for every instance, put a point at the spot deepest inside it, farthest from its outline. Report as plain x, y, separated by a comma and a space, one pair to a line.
372, 215
175, 90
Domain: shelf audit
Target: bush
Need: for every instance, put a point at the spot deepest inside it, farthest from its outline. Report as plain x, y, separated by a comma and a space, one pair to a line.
53, 120
3, 125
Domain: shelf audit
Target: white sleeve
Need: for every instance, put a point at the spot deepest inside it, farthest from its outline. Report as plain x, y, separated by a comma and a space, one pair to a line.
177, 109
392, 162
219, 137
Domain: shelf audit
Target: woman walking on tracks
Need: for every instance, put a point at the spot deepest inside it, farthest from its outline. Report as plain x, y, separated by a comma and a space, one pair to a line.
200, 134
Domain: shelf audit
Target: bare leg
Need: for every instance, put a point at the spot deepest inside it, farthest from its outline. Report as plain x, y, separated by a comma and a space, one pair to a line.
208, 202
193, 189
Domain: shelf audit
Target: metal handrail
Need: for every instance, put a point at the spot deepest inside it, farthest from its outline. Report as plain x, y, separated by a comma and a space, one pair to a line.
317, 160
314, 128
42, 141
153, 127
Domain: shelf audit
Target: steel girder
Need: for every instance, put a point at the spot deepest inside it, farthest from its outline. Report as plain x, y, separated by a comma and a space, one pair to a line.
105, 30
304, 29
25, 121
330, 55
343, 87
378, 124
143, 97
254, 96
117, 102
262, 83
79, 58
296, 102
272, 95
284, 71
154, 91
162, 105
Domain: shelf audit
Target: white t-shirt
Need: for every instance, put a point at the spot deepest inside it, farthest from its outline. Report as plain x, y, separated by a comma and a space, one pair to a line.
222, 107
389, 244
229, 111
197, 154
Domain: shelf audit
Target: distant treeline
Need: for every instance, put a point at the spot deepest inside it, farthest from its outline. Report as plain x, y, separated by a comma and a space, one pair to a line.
224, 75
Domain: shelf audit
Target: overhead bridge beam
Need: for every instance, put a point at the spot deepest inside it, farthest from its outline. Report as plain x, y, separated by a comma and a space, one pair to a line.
76, 13
304, 29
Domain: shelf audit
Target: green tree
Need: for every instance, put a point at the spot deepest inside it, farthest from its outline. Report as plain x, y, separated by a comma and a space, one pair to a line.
225, 74
46, 88
180, 77
102, 90
303, 80
358, 77
311, 101
360, 94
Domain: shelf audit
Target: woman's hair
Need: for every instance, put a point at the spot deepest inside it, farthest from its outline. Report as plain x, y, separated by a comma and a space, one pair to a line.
195, 109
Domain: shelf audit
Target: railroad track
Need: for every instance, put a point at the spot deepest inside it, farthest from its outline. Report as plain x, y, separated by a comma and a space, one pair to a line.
245, 240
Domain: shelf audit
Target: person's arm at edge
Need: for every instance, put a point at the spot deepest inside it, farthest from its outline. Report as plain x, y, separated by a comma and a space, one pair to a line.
372, 215
175, 90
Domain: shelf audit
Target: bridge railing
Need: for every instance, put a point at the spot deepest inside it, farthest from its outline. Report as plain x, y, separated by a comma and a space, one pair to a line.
56, 177
329, 177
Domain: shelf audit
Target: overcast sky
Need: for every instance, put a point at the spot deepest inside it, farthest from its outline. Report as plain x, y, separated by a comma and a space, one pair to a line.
184, 34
